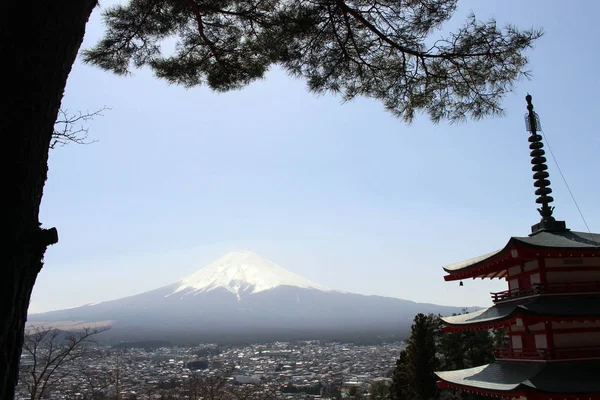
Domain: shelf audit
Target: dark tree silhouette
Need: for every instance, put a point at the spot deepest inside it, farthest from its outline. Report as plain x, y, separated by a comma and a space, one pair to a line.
402, 380
414, 376
39, 41
421, 355
381, 49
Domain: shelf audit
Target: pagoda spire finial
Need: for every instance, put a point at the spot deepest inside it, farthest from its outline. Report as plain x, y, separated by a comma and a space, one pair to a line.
540, 176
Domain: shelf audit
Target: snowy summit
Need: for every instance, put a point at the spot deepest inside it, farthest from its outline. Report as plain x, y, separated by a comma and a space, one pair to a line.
243, 272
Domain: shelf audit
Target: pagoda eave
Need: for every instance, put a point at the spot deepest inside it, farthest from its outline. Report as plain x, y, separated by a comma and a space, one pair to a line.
538, 309
494, 264
533, 395
530, 380
532, 319
485, 392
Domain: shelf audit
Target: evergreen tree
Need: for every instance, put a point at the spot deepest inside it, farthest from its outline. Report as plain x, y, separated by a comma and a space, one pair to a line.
355, 48
414, 376
379, 391
451, 351
500, 338
478, 347
429, 349
402, 383
421, 355
458, 350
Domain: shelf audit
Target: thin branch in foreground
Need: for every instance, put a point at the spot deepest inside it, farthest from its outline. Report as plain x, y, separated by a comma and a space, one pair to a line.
71, 127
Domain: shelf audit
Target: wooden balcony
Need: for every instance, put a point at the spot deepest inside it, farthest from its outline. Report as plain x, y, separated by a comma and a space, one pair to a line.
564, 353
550, 288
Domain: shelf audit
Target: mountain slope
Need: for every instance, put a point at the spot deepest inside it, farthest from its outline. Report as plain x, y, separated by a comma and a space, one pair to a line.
243, 297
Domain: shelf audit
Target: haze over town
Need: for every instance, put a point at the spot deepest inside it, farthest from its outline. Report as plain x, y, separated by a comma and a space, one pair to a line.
346, 195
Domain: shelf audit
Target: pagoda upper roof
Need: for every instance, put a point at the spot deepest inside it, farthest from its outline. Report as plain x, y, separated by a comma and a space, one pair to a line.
579, 306
557, 240
506, 377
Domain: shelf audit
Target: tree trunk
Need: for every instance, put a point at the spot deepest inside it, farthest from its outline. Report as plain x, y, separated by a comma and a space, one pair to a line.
39, 41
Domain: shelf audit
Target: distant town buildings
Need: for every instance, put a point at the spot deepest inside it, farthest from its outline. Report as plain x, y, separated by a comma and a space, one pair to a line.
298, 370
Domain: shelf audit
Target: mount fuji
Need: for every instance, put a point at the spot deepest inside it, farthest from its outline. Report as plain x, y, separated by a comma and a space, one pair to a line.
243, 297
240, 273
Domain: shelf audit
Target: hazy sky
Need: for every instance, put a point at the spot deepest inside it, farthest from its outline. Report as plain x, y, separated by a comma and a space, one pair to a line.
342, 194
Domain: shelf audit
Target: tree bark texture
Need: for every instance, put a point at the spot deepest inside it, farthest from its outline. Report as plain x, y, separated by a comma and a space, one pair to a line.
39, 41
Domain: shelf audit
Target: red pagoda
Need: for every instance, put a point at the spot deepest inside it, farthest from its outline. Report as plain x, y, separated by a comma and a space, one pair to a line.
550, 312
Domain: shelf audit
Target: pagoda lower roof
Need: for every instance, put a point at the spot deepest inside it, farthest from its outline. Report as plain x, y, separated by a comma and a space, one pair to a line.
574, 306
513, 377
562, 241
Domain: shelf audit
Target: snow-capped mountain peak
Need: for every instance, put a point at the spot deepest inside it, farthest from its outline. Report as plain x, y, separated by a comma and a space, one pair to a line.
242, 272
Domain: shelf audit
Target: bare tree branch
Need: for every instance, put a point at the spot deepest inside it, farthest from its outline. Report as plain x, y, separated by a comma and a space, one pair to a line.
47, 351
71, 127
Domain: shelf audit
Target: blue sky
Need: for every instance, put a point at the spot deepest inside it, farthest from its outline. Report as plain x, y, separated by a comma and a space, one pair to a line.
342, 194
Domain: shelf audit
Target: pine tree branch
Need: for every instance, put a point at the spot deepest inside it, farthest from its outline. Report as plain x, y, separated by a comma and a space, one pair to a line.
200, 25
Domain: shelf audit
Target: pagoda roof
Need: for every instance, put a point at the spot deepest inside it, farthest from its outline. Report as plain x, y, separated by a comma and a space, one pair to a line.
551, 306
572, 378
564, 240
